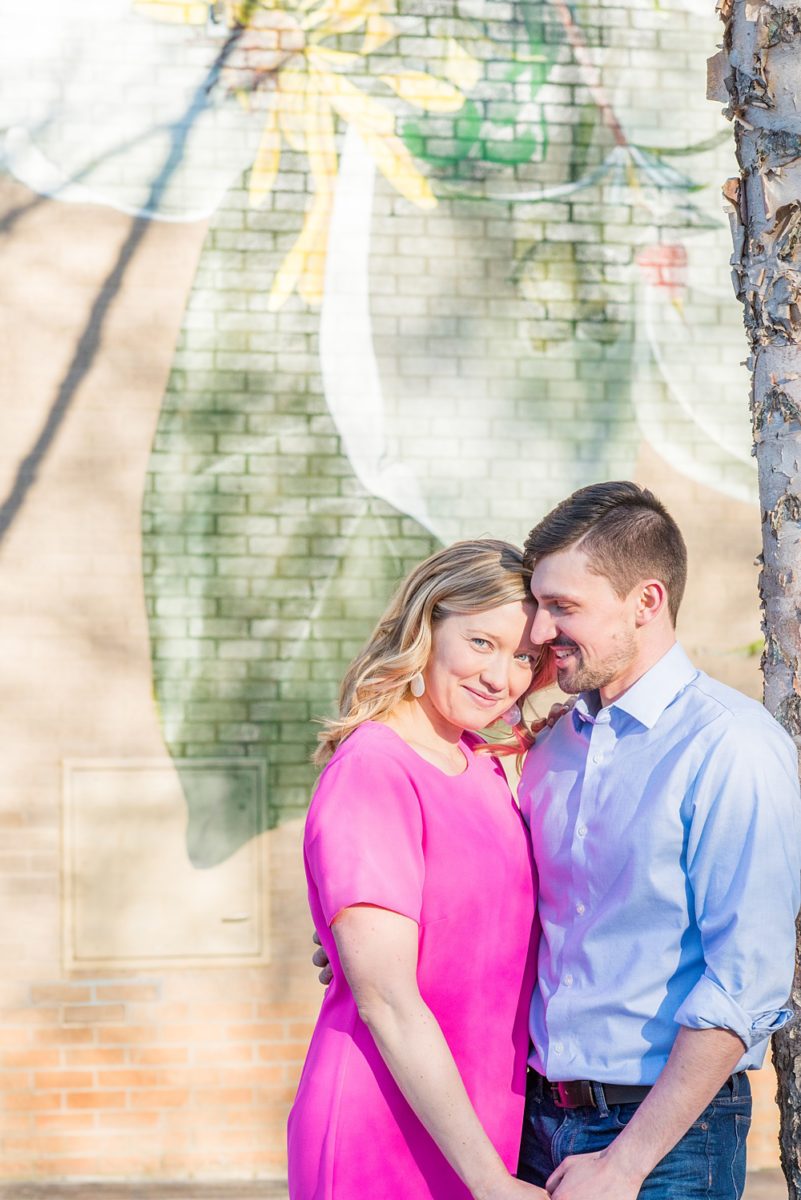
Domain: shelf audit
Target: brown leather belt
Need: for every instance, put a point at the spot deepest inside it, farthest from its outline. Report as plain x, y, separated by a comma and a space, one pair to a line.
585, 1093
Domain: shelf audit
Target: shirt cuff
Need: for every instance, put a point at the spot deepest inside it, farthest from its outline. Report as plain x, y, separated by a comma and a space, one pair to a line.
708, 1006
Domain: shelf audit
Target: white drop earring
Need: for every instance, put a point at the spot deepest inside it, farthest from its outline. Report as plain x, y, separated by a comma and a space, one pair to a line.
417, 685
513, 715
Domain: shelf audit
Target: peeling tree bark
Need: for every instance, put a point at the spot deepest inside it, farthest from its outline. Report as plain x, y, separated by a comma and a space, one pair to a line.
758, 75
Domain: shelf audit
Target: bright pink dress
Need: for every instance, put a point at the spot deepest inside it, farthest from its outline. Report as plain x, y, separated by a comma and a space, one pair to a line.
387, 828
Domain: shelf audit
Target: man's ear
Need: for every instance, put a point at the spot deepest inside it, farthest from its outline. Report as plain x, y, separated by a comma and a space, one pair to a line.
652, 601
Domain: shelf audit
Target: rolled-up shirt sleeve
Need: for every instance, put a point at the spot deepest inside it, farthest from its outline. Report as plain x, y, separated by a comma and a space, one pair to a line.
744, 868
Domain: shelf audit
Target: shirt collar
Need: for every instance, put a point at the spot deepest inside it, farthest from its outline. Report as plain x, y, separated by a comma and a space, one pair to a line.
648, 698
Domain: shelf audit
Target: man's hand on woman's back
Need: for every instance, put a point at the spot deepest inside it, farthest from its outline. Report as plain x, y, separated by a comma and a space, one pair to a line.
320, 959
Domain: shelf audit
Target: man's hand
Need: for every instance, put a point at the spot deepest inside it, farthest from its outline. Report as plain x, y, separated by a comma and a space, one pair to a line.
592, 1177
560, 709
320, 959
699, 1063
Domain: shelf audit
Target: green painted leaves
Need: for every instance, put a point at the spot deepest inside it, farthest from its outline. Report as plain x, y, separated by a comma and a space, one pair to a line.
505, 126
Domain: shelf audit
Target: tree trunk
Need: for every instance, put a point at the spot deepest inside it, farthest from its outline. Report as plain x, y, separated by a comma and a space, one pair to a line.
758, 75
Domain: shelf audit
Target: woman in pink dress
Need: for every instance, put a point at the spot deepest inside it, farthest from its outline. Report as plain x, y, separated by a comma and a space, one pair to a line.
420, 884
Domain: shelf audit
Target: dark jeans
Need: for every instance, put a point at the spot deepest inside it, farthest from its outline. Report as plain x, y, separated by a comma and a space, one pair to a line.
707, 1164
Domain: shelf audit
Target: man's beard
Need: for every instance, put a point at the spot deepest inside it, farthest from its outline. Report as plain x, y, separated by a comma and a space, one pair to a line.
584, 677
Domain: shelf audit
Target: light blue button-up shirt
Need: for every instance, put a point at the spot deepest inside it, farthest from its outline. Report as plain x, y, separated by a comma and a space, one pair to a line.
667, 836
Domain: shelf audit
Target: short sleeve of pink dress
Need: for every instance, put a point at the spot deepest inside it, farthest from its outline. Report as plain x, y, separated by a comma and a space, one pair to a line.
365, 844
387, 828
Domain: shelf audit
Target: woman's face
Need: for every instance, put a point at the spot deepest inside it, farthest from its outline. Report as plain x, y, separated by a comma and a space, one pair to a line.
480, 664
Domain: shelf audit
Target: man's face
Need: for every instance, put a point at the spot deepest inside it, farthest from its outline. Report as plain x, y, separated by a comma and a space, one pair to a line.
591, 631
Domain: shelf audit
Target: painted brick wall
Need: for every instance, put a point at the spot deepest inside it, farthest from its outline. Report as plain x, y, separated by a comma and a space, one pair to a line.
242, 394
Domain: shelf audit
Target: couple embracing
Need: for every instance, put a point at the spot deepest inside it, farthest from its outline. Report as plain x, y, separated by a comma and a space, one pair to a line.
564, 995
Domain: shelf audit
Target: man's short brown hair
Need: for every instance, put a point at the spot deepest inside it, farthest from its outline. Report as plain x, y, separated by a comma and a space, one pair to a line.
626, 533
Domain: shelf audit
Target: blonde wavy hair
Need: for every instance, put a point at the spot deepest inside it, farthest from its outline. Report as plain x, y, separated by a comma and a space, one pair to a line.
467, 577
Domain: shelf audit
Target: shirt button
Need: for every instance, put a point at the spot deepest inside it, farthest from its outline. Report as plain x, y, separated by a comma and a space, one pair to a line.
582, 831
580, 909
568, 981
597, 758
558, 1047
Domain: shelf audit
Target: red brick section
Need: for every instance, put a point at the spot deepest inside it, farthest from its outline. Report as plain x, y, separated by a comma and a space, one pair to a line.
188, 1075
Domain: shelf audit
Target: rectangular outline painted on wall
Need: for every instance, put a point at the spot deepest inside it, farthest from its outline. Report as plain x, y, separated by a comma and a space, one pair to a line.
158, 904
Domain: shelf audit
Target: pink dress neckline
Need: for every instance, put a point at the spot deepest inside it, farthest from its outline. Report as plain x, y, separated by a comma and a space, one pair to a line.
463, 745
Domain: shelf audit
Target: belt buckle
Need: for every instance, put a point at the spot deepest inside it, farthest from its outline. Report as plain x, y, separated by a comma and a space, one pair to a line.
575, 1093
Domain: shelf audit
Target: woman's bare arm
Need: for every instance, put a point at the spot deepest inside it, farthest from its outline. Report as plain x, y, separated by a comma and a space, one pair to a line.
378, 953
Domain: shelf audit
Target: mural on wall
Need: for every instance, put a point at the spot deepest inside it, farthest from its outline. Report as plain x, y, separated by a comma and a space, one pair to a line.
295, 292
460, 259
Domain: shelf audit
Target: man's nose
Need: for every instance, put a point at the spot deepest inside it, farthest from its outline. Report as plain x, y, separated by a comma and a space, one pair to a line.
543, 628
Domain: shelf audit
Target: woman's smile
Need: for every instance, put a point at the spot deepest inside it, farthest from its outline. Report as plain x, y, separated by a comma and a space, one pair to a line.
485, 700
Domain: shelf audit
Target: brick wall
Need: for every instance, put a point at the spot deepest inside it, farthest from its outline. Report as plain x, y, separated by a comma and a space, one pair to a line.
225, 433
170, 1078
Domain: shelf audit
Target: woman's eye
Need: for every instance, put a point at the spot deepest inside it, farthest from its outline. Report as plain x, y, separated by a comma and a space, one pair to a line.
525, 658
479, 642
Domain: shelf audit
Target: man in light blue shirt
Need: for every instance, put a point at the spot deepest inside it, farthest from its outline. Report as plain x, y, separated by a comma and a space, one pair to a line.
664, 815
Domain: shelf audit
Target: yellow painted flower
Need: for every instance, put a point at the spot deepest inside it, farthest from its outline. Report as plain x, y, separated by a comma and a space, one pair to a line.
281, 47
